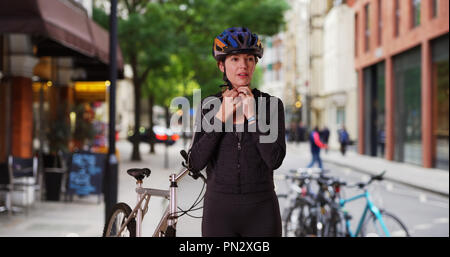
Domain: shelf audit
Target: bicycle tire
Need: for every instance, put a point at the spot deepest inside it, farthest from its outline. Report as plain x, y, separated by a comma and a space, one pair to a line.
395, 226
335, 226
303, 222
111, 225
289, 221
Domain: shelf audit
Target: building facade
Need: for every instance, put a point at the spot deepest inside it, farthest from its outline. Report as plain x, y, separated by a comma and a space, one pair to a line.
317, 13
339, 92
272, 65
297, 68
401, 58
42, 56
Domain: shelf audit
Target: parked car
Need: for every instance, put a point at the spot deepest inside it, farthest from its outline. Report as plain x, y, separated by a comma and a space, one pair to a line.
160, 135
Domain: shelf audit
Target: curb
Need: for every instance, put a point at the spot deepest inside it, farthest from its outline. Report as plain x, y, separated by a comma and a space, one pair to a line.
446, 194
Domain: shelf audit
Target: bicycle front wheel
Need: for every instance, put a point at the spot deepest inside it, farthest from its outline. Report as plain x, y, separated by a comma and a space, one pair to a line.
372, 227
292, 221
335, 226
300, 222
117, 218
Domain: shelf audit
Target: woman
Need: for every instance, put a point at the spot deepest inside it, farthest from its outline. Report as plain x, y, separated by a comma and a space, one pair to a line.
240, 199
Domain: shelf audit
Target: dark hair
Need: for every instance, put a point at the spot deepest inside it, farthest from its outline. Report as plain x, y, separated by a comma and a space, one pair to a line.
221, 58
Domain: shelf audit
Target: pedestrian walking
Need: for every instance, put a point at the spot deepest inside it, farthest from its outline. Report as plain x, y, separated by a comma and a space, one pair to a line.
301, 130
316, 144
344, 139
325, 135
240, 199
382, 140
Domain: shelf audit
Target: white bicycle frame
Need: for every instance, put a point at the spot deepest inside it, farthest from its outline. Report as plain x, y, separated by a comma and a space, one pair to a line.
169, 218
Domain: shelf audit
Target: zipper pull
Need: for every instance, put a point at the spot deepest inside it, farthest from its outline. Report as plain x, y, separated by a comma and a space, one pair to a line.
239, 145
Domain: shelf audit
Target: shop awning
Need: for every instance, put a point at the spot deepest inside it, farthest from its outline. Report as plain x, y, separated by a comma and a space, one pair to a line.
59, 27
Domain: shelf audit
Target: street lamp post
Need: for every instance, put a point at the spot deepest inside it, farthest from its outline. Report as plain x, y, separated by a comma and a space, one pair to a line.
112, 166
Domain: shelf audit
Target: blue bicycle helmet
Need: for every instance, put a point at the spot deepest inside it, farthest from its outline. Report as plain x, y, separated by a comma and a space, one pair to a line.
237, 40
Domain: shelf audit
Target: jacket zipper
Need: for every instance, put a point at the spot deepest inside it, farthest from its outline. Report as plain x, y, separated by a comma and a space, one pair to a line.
239, 152
238, 159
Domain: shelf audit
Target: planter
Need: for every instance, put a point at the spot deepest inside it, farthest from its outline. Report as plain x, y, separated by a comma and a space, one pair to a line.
53, 174
53, 180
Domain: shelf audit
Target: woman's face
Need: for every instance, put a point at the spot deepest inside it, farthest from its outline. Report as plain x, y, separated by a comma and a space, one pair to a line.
239, 68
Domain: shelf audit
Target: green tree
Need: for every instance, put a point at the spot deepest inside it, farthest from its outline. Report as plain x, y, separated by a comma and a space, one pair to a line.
146, 37
168, 82
58, 133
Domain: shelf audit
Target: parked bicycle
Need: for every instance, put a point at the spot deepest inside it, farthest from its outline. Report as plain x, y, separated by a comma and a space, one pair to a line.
123, 221
322, 213
373, 221
305, 214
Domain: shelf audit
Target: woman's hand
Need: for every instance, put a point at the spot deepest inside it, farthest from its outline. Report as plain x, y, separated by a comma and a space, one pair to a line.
248, 101
228, 106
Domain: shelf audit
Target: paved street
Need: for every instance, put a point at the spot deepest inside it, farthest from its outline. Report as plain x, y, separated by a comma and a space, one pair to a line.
425, 213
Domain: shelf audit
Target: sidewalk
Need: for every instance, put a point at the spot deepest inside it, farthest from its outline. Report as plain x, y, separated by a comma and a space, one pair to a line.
85, 216
433, 180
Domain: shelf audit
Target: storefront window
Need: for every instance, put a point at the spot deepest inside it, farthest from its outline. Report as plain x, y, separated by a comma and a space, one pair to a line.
368, 107
408, 116
381, 107
440, 69
374, 110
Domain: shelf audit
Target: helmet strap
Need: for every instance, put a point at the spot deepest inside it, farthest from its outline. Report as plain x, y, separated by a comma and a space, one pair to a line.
224, 78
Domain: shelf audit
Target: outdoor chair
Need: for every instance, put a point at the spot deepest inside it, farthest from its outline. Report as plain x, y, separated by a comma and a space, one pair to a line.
5, 188
24, 174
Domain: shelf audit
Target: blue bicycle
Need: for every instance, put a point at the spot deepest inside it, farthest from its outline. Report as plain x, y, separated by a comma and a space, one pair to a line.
373, 222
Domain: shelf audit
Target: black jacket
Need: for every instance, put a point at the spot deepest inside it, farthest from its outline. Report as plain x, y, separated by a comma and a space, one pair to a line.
239, 164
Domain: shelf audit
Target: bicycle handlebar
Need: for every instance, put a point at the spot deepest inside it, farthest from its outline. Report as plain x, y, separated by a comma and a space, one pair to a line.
195, 175
362, 185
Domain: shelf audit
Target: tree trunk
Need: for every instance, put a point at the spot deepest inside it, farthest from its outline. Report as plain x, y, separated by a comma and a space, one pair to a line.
166, 156
151, 101
136, 156
166, 109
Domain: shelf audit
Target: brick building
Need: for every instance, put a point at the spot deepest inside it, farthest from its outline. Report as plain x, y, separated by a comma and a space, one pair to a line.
401, 58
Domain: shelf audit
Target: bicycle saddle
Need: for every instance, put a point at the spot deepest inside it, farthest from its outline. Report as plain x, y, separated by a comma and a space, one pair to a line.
139, 174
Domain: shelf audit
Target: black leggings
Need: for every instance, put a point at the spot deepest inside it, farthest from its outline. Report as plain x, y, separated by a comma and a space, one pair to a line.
241, 215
